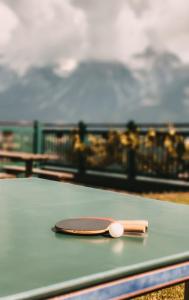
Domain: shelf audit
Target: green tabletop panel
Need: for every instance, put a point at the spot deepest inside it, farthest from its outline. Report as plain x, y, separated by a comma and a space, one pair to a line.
34, 261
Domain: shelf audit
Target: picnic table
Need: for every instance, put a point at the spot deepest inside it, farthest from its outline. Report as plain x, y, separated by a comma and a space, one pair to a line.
37, 263
27, 158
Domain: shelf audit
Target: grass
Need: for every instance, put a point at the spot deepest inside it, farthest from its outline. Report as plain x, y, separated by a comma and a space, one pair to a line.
178, 197
172, 293
176, 292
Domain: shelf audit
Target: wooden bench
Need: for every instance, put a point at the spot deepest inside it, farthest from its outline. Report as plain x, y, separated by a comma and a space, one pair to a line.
13, 169
54, 175
6, 176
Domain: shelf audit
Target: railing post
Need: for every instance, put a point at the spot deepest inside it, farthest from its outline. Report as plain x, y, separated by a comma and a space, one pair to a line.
37, 137
82, 158
131, 155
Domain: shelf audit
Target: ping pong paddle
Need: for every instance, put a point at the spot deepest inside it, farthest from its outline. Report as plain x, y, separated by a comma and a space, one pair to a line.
93, 226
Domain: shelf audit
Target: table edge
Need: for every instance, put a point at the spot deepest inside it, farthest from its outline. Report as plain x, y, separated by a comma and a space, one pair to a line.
87, 282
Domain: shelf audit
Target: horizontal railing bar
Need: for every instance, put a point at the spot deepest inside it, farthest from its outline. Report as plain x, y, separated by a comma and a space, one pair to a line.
104, 131
16, 124
95, 125
57, 130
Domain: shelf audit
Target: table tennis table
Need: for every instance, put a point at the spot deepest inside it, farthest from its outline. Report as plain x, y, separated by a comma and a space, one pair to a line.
37, 263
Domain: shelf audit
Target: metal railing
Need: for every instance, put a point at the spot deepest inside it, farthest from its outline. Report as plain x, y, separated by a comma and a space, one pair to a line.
153, 150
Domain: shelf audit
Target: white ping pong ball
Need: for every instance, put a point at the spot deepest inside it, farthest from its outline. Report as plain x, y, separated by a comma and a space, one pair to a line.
116, 229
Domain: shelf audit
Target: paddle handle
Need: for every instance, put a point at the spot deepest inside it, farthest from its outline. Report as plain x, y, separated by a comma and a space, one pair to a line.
134, 225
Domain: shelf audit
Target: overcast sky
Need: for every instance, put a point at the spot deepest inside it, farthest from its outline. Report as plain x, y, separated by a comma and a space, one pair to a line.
61, 33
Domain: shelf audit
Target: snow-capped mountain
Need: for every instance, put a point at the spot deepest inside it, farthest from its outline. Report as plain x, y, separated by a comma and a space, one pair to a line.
157, 89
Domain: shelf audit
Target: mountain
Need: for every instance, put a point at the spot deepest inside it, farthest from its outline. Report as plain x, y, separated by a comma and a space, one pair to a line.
156, 90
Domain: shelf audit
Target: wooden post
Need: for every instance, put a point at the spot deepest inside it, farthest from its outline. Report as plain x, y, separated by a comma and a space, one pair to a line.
82, 158
37, 138
186, 290
131, 155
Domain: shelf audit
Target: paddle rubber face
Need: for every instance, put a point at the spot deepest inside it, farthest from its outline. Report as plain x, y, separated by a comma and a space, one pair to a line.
84, 226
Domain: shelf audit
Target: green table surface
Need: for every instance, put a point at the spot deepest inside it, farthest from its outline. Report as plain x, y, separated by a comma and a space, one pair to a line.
34, 261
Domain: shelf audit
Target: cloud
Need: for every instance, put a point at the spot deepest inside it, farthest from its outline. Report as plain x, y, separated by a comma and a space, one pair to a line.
61, 33
65, 67
167, 26
47, 33
8, 23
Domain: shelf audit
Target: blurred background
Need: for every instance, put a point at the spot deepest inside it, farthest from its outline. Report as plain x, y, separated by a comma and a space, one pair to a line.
97, 61
102, 85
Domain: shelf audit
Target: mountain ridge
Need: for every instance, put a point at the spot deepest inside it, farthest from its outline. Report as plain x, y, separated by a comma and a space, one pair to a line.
100, 92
